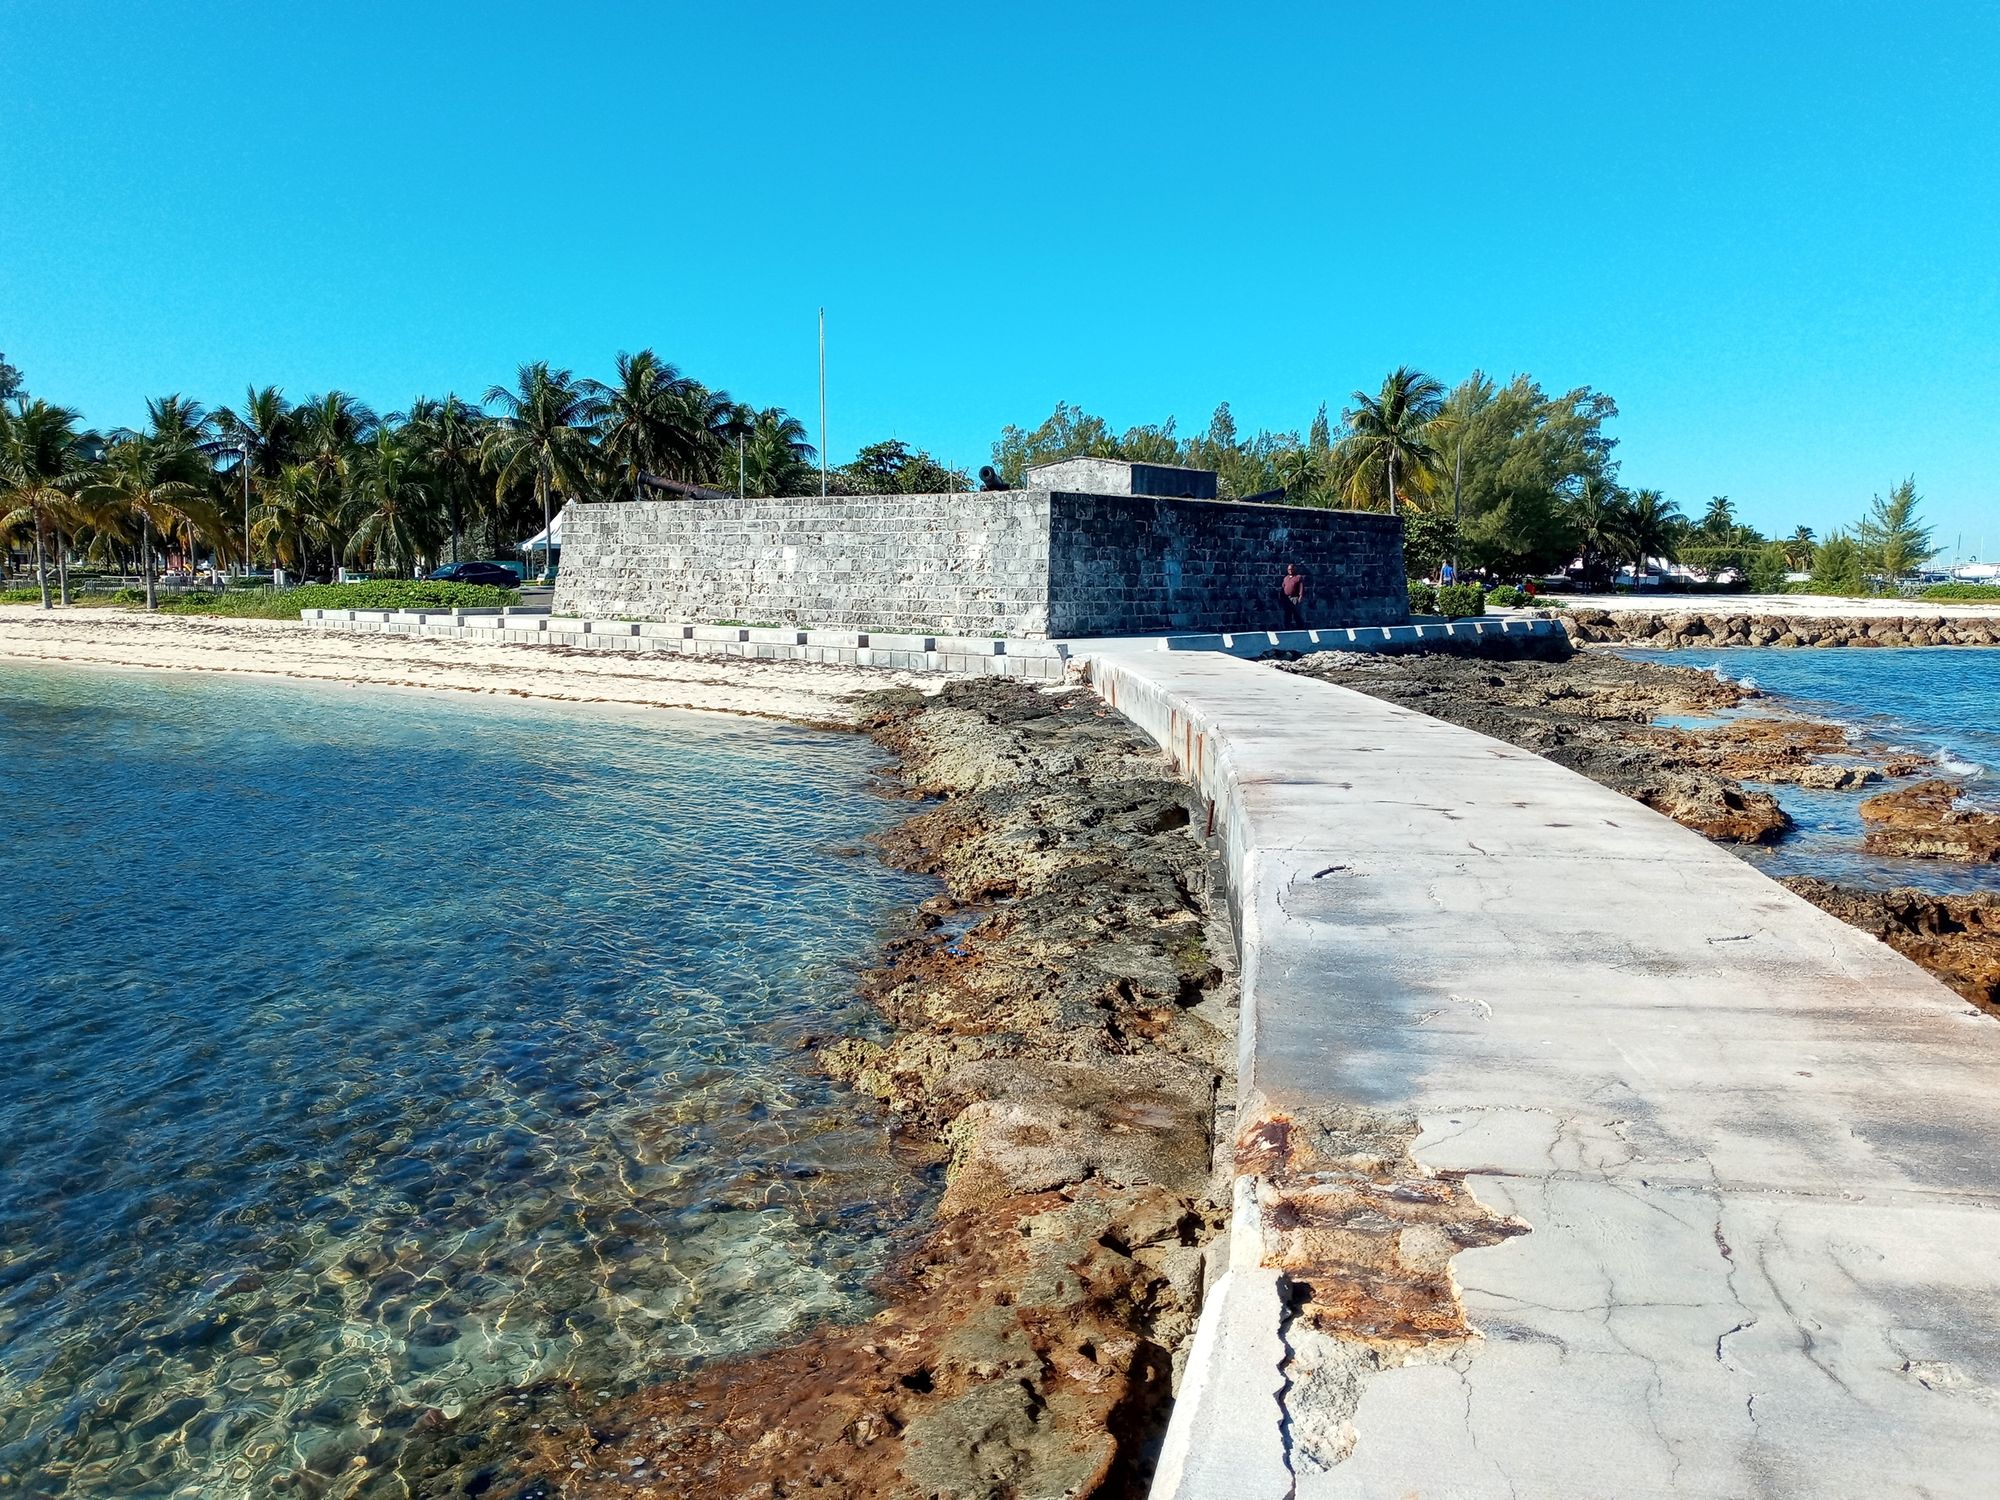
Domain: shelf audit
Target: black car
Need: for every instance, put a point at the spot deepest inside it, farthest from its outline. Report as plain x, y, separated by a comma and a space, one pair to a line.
491, 574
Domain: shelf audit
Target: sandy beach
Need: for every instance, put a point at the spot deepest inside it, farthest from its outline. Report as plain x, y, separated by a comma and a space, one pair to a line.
801, 692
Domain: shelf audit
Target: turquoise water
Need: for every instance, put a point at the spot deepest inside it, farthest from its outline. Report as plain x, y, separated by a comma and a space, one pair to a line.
374, 1053
1943, 702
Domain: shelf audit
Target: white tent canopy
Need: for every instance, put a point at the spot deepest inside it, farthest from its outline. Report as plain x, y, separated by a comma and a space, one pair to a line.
549, 537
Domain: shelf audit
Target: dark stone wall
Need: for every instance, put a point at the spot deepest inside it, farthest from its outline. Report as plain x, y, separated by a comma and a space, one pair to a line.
1128, 565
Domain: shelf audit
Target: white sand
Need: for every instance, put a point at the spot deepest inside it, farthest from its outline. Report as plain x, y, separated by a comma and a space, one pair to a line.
798, 691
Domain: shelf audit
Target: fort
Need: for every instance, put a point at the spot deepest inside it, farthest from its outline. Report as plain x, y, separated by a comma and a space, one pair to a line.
1090, 547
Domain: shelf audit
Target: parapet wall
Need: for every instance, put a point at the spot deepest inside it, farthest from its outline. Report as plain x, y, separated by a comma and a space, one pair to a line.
1026, 564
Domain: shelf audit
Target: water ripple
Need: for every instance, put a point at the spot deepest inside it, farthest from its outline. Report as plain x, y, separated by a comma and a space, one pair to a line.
375, 1053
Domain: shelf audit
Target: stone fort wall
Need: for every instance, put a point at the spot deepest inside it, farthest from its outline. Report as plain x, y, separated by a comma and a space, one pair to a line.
1025, 564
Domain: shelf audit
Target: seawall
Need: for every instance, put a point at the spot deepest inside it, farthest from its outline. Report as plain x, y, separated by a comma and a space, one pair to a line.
1028, 564
1714, 623
1576, 1157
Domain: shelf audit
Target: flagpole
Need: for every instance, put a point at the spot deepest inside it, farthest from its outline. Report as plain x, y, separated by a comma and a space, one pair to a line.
822, 403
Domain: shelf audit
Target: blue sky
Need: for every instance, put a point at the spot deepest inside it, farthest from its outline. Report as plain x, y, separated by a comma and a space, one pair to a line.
1772, 232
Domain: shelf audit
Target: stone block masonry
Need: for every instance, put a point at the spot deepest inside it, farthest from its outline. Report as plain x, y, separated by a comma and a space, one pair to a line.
1132, 565
1023, 564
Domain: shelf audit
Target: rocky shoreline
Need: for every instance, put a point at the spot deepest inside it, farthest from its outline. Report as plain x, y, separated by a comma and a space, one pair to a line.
1063, 1029
1726, 627
1594, 713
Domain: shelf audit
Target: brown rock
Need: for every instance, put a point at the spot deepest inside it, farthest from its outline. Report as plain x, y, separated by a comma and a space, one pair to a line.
1718, 808
1925, 822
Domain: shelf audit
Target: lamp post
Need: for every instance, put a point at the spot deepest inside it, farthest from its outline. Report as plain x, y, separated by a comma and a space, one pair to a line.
243, 447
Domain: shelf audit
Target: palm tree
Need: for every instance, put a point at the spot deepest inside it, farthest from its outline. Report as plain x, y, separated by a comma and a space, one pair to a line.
1649, 526
263, 434
1390, 432
1598, 513
777, 459
708, 425
1307, 475
447, 435
332, 432
645, 426
158, 478
1799, 548
544, 434
43, 463
288, 516
392, 510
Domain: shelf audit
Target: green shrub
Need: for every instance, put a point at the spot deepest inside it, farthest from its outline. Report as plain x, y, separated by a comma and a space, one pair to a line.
1423, 598
1459, 601
1837, 567
1507, 597
1963, 593
24, 596
382, 593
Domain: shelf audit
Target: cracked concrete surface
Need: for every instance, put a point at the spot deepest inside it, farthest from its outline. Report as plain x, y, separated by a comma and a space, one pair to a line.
1757, 1153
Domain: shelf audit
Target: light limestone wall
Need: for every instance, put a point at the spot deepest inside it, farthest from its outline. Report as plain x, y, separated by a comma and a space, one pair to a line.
963, 564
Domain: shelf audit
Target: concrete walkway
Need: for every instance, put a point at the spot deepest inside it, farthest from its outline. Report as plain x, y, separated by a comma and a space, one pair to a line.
1754, 1155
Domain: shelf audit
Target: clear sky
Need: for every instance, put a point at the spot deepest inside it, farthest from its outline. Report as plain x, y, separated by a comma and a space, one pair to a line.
1771, 231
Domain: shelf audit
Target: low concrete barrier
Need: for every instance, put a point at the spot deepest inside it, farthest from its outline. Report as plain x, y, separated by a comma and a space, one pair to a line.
956, 655
1578, 1158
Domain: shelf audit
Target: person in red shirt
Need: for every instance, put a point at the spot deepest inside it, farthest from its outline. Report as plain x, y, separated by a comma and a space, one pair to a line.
1292, 593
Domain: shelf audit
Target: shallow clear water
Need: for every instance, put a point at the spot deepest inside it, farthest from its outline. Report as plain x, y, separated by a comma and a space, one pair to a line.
372, 1053
1941, 701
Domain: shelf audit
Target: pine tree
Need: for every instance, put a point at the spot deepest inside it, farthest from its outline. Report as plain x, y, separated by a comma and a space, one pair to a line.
1895, 542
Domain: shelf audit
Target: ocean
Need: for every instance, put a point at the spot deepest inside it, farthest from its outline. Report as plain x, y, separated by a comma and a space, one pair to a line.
1941, 701
375, 1053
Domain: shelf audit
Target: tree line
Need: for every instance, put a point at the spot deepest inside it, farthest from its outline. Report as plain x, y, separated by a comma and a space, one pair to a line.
331, 482
1508, 479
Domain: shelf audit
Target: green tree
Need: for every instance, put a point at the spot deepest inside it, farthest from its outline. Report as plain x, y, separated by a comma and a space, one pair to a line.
645, 427
1717, 526
1895, 541
1649, 528
158, 480
1838, 566
1799, 550
543, 435
446, 436
1520, 458
288, 522
1309, 476
11, 388
777, 459
1768, 565
1597, 520
332, 433
1389, 443
1069, 432
43, 465
394, 514
1429, 541
894, 468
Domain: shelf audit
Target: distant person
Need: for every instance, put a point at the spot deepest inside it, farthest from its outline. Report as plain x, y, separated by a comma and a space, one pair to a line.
1292, 593
990, 480
1447, 574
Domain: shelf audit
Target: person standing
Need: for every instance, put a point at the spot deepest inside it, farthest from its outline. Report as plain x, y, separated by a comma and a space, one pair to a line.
1447, 575
1292, 594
